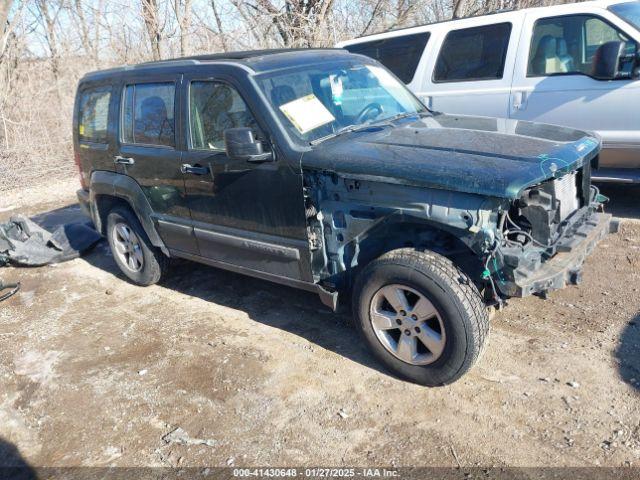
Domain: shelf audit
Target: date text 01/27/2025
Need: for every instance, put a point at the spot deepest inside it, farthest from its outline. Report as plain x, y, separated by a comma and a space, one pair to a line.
315, 472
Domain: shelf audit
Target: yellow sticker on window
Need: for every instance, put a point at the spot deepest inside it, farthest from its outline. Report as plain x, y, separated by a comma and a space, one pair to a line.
307, 113
81, 129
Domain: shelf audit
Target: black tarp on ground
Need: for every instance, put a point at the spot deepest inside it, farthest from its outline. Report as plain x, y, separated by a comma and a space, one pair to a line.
24, 243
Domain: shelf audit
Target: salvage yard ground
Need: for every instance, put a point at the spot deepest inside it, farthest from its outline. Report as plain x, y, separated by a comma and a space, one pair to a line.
96, 371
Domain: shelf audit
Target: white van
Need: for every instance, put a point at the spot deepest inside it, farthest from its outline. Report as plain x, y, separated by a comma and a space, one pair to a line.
575, 65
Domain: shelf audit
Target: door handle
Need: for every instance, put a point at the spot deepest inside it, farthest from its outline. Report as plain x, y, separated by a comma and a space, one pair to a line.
123, 160
427, 100
519, 101
194, 169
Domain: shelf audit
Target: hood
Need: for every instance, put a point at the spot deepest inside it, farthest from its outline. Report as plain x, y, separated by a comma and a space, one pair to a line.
487, 156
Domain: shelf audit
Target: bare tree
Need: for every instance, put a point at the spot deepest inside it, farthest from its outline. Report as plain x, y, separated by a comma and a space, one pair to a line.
48, 14
298, 23
182, 9
381, 15
151, 17
458, 8
89, 27
254, 25
5, 6
216, 15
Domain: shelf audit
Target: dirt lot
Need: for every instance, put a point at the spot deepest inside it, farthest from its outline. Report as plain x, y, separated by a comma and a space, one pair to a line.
95, 371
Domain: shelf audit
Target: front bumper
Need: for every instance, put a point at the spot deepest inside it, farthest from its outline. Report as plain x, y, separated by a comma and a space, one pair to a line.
565, 267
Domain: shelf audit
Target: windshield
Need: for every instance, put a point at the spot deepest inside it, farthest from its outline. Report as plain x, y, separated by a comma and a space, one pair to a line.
629, 12
321, 100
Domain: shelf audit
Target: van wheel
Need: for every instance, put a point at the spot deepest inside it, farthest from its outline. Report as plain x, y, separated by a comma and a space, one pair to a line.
137, 258
422, 317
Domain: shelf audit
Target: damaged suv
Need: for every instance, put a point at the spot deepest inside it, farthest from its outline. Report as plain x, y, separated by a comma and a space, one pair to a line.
318, 169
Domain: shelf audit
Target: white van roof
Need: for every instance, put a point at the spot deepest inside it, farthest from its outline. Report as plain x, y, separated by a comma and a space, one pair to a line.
470, 21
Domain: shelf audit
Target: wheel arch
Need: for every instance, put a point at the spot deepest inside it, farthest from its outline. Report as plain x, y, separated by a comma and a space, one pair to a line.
108, 190
401, 232
352, 221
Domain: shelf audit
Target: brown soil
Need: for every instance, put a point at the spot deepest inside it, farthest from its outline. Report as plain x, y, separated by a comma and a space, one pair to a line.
96, 371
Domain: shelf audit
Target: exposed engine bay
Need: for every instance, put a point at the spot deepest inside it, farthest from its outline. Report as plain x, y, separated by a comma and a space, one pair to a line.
551, 223
544, 210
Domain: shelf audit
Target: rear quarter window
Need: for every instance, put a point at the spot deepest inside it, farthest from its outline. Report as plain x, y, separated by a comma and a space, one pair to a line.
401, 54
471, 54
93, 115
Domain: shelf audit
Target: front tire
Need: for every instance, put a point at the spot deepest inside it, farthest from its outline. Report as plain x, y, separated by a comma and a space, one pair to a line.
132, 250
421, 316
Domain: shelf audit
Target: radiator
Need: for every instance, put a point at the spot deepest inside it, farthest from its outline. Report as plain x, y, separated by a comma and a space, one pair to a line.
566, 192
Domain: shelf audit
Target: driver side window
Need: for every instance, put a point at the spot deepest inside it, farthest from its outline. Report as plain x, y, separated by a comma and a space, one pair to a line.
566, 45
213, 108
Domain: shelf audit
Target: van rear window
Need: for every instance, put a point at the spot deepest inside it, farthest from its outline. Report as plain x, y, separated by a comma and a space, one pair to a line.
93, 115
401, 54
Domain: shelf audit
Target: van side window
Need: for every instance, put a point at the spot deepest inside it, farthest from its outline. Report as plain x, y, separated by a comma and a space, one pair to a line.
566, 45
476, 53
401, 54
213, 108
93, 115
148, 114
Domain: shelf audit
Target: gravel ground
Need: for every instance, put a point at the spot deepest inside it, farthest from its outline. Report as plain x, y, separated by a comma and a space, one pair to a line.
96, 371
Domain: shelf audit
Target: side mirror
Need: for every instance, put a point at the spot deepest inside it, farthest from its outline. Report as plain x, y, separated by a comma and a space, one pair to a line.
242, 145
606, 61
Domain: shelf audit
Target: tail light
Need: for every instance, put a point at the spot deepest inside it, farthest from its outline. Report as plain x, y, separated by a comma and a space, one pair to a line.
76, 159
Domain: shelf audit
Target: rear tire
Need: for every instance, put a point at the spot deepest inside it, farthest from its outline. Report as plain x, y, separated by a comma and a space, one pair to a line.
132, 250
421, 316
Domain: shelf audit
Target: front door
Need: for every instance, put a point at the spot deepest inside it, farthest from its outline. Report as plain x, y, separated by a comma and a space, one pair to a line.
150, 154
245, 214
552, 83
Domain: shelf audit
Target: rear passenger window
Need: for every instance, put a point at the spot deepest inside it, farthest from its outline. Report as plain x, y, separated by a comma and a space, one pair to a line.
401, 55
475, 53
93, 115
148, 114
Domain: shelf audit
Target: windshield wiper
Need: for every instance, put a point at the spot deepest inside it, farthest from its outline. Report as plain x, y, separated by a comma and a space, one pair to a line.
397, 116
348, 128
355, 128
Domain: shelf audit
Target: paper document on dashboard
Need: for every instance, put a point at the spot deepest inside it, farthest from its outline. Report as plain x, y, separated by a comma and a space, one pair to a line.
307, 113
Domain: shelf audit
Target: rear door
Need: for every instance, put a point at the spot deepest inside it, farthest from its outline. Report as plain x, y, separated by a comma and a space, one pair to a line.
470, 67
150, 154
95, 132
552, 82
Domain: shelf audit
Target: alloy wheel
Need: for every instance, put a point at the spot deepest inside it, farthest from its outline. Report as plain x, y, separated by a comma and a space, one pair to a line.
407, 324
127, 247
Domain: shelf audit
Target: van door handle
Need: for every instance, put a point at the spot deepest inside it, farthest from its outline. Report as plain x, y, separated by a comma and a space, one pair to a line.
123, 160
519, 101
427, 100
194, 169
